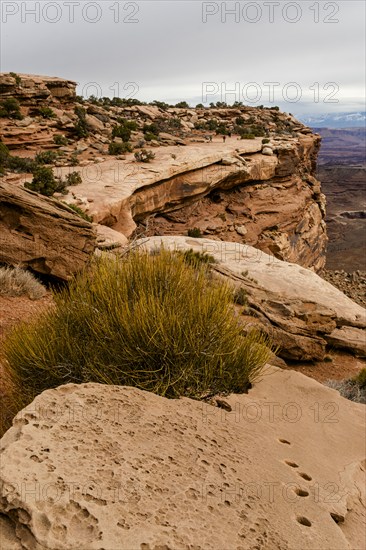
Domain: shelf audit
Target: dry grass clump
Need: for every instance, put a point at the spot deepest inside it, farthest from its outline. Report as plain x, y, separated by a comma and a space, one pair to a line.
18, 282
151, 321
353, 389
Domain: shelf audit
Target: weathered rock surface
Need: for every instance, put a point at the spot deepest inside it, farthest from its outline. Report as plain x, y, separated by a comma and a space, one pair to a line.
32, 88
98, 467
268, 190
42, 233
301, 311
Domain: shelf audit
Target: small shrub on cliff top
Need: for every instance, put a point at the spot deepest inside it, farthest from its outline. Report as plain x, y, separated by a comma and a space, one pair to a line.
79, 212
147, 320
195, 232
44, 182
115, 148
144, 155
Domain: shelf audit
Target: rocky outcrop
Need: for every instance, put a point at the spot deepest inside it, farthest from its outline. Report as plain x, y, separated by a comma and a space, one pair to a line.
105, 467
243, 190
31, 89
231, 192
42, 233
301, 312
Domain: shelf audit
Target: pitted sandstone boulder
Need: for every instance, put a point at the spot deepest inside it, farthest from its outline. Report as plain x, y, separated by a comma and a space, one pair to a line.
95, 467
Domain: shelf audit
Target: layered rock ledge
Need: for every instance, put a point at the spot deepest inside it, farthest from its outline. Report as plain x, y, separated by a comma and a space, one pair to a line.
261, 192
42, 233
301, 312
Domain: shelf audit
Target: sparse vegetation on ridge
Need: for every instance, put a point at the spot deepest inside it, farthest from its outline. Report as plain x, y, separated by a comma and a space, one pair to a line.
147, 320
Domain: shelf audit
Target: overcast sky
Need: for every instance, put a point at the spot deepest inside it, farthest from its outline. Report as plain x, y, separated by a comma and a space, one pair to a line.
313, 52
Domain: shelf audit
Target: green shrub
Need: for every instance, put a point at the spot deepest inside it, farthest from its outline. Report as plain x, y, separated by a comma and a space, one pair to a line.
194, 232
119, 148
60, 139
18, 80
124, 129
21, 164
240, 296
247, 136
79, 212
151, 129
46, 112
46, 157
10, 108
81, 127
265, 140
44, 182
149, 321
144, 155
150, 137
196, 258
182, 105
200, 106
360, 379
74, 161
73, 178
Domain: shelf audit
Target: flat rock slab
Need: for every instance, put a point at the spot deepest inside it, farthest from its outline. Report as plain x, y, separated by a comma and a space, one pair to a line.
98, 467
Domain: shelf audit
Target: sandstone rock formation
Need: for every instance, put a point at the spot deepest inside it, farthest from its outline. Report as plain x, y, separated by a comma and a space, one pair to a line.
98, 467
301, 311
29, 89
246, 191
42, 234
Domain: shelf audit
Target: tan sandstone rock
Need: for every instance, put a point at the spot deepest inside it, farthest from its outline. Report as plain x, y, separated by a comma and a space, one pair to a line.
300, 311
41, 233
95, 467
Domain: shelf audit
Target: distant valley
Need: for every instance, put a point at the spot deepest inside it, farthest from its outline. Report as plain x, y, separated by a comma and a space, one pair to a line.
342, 172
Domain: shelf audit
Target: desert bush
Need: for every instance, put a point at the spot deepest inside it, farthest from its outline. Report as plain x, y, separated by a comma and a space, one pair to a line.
21, 164
81, 127
18, 80
265, 140
194, 232
60, 139
46, 157
10, 108
44, 182
74, 161
151, 129
195, 258
73, 178
115, 148
18, 282
360, 379
247, 136
350, 389
144, 155
161, 104
182, 105
149, 321
79, 212
150, 137
240, 296
46, 112
124, 129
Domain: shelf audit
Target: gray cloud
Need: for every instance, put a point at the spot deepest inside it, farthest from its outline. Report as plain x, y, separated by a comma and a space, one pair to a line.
170, 51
